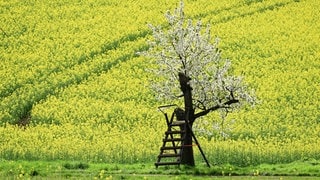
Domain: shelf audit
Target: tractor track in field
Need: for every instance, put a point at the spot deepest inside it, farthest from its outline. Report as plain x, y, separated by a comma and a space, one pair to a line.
26, 107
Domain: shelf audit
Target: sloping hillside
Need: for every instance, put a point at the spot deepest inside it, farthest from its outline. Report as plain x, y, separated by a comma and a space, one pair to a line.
71, 73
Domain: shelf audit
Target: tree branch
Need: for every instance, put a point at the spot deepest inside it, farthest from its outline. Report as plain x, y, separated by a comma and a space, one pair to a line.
200, 105
179, 55
224, 105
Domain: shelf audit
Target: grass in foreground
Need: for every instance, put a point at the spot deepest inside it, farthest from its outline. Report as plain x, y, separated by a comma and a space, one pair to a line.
80, 170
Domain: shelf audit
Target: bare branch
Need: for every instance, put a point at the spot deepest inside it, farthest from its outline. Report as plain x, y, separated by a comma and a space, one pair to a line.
224, 105
202, 107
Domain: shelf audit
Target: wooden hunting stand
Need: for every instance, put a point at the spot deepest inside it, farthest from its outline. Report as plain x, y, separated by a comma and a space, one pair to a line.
173, 142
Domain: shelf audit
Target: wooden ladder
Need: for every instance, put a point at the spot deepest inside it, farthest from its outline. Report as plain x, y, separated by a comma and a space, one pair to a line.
173, 142
171, 150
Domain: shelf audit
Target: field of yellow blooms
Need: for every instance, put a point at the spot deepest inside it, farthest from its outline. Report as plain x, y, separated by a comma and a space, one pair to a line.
70, 70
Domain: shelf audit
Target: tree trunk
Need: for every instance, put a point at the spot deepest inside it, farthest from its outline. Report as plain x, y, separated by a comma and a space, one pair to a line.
187, 157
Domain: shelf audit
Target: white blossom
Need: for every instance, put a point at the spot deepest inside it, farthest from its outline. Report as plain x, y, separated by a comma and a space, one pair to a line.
186, 47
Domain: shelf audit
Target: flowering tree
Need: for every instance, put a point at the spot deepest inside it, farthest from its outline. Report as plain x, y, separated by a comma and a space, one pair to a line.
190, 66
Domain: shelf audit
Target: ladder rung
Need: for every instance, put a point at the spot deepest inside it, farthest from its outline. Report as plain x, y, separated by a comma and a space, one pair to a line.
175, 132
171, 147
177, 123
169, 155
166, 163
173, 139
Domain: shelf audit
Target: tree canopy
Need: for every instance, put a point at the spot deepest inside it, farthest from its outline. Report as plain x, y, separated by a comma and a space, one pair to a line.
187, 48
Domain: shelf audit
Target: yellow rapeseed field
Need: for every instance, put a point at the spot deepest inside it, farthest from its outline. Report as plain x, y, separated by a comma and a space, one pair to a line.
70, 70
